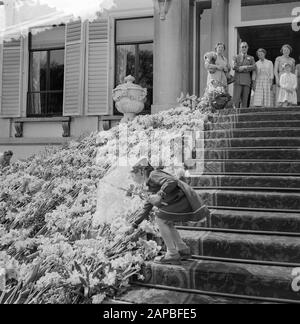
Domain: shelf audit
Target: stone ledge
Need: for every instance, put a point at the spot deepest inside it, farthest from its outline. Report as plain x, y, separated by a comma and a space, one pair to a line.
111, 118
41, 119
65, 123
34, 141
106, 122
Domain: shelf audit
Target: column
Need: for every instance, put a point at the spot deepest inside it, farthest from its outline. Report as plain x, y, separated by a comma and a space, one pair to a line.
219, 21
171, 54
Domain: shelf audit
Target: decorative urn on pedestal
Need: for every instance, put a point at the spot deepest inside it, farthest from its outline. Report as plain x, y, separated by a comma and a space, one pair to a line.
130, 99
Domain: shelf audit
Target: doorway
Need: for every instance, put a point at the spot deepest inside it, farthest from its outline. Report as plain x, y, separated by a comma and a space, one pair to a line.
271, 38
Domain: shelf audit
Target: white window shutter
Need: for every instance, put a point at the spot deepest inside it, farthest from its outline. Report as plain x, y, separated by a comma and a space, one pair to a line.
11, 82
74, 69
96, 92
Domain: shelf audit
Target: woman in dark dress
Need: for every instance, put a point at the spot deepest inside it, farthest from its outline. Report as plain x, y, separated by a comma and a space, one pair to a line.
176, 201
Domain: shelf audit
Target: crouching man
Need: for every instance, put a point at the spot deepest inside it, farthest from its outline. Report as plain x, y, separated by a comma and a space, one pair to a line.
176, 201
5, 159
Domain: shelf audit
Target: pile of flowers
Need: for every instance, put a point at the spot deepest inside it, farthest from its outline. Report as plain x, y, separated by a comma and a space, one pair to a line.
50, 250
214, 99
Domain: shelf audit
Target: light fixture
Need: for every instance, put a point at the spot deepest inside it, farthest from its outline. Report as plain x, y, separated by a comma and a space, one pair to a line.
163, 6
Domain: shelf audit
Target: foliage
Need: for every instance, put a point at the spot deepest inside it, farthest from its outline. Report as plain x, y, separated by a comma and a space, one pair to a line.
215, 98
49, 248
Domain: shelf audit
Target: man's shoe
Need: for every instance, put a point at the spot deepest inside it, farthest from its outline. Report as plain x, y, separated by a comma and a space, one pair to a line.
168, 260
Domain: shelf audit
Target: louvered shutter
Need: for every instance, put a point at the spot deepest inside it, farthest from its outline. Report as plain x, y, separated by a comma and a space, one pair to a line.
11, 82
74, 69
97, 68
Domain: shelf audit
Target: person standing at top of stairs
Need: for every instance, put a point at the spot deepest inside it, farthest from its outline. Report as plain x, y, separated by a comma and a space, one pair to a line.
288, 86
243, 65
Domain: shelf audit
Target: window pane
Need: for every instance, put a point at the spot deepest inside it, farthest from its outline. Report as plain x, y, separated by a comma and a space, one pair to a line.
45, 104
45, 97
135, 30
37, 103
268, 11
145, 71
38, 71
54, 37
55, 104
126, 58
57, 70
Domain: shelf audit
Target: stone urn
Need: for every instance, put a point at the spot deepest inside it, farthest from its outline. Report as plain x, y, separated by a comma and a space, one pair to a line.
130, 99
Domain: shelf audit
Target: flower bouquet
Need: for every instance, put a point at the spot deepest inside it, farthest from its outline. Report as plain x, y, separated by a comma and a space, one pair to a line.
219, 98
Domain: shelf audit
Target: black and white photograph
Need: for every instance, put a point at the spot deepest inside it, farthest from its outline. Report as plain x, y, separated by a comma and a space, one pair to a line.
149, 155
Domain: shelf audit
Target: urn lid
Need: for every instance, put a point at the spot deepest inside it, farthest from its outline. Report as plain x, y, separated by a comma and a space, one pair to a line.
130, 90
129, 85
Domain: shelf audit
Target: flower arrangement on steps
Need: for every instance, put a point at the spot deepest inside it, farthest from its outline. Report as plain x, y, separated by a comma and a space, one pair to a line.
48, 252
215, 98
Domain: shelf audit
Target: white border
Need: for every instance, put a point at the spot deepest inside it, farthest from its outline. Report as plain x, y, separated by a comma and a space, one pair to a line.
1, 68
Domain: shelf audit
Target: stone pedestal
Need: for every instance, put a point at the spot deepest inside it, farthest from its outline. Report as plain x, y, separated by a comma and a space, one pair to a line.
171, 53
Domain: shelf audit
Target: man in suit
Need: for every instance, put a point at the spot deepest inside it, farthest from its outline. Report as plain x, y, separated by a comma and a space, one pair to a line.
243, 65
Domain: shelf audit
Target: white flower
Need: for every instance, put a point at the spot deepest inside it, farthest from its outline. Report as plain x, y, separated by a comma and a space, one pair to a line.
74, 279
110, 278
148, 227
98, 299
94, 282
49, 279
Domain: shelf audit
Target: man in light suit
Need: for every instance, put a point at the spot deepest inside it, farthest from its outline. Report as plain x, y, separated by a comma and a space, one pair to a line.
243, 65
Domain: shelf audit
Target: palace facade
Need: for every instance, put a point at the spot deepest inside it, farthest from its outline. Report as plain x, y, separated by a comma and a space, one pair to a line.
56, 79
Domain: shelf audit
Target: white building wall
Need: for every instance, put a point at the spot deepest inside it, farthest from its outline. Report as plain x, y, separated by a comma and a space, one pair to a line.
37, 135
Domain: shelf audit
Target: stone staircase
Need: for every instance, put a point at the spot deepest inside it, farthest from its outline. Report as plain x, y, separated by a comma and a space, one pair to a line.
249, 247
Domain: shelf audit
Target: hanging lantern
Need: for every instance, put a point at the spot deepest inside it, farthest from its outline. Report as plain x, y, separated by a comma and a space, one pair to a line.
163, 6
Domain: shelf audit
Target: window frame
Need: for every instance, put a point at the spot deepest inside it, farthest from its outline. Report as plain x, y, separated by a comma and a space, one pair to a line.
48, 50
133, 43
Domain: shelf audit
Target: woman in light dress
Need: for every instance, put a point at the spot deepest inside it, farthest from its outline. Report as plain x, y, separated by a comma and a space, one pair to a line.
263, 80
220, 69
286, 51
288, 86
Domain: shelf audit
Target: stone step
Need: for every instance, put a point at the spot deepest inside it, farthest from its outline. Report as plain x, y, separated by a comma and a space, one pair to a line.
249, 154
246, 167
255, 220
244, 181
255, 133
243, 246
254, 124
260, 110
254, 116
251, 199
259, 142
225, 277
169, 296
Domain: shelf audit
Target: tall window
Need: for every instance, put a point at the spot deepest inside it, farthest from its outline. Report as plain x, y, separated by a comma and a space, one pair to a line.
134, 53
46, 72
